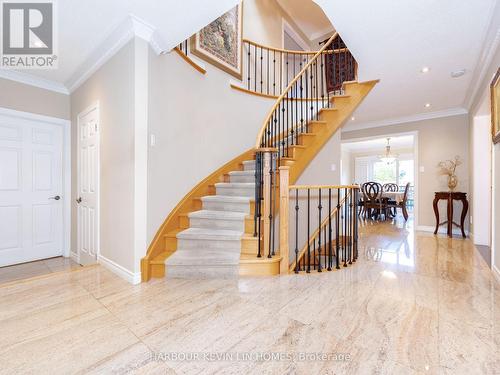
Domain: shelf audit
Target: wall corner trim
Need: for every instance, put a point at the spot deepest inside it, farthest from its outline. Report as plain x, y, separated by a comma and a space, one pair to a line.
133, 278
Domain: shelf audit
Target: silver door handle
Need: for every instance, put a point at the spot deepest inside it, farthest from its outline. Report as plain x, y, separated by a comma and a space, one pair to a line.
56, 198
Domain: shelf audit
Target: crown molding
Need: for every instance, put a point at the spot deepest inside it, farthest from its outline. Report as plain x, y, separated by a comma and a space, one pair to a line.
29, 79
131, 27
405, 119
481, 70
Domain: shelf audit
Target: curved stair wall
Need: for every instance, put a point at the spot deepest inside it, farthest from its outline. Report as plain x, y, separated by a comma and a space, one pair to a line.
197, 221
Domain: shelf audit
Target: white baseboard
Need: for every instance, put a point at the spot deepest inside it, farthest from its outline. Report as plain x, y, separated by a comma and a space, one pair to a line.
133, 278
74, 257
441, 230
496, 272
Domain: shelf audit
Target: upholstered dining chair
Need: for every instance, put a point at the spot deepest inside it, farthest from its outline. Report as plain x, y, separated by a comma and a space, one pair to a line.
371, 198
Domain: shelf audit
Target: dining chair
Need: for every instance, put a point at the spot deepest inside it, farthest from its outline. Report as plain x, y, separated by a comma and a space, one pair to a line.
391, 187
372, 198
402, 204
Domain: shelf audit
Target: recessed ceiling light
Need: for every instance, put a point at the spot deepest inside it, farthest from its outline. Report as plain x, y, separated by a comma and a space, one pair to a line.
425, 69
353, 118
427, 105
458, 73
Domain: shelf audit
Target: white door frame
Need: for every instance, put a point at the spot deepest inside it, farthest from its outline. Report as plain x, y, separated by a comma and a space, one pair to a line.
416, 171
90, 108
65, 125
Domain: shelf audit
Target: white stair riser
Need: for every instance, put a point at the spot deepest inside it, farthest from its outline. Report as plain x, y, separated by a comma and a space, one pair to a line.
249, 166
224, 206
200, 244
202, 272
242, 178
197, 222
235, 191
216, 257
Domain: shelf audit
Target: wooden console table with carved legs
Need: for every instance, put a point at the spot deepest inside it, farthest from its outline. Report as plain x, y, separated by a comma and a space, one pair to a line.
450, 197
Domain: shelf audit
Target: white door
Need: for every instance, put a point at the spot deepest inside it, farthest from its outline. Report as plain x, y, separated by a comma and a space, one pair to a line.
31, 183
88, 185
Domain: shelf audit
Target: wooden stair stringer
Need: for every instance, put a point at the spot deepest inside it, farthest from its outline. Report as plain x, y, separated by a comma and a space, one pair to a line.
153, 264
333, 120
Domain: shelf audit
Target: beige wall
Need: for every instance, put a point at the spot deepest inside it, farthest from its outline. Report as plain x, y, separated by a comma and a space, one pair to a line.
26, 98
438, 139
199, 123
479, 108
113, 87
262, 22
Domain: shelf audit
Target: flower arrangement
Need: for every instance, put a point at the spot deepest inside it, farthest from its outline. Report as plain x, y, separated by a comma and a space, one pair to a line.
448, 168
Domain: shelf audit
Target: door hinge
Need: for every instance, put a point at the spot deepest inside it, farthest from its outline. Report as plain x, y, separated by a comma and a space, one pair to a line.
95, 126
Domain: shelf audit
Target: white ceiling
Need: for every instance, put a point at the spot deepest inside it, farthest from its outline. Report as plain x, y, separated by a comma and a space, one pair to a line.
392, 40
378, 144
308, 16
88, 28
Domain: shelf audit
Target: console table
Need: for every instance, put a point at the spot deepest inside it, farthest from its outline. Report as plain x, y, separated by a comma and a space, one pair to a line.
450, 197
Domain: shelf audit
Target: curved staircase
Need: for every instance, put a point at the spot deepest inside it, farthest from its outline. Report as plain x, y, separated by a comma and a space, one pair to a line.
212, 232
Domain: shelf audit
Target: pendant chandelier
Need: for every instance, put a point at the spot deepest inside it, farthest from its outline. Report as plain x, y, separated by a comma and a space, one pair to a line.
388, 157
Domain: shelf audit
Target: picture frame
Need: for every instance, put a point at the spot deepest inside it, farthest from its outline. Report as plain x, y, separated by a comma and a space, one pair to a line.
495, 107
220, 42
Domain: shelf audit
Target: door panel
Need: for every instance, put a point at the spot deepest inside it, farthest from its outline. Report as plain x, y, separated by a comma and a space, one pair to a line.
88, 186
30, 175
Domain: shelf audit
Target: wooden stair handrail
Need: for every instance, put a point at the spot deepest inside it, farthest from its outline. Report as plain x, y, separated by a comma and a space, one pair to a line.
290, 85
289, 51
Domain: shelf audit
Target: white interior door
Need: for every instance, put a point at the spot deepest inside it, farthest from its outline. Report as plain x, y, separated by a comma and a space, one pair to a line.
88, 185
31, 183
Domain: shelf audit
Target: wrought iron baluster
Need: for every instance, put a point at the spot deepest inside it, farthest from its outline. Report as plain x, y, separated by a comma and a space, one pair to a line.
329, 229
308, 231
320, 207
337, 230
296, 230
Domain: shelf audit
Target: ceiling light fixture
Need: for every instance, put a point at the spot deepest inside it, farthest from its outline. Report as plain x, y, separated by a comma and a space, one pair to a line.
427, 105
388, 157
353, 118
425, 69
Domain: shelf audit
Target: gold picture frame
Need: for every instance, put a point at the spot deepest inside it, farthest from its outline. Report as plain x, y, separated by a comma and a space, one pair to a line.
220, 42
495, 107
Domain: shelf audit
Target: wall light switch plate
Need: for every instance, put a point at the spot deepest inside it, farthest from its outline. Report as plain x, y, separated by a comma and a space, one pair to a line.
422, 169
333, 167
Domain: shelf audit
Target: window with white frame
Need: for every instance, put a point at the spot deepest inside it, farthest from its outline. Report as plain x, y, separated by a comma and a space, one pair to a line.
371, 168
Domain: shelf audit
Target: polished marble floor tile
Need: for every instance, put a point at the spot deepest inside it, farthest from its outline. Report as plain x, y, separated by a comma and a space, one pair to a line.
413, 303
34, 269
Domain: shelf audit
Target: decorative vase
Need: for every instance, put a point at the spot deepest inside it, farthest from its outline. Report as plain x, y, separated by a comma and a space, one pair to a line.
452, 182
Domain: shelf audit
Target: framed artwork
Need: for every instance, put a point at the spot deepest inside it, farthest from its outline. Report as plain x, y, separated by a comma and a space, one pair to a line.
219, 43
495, 107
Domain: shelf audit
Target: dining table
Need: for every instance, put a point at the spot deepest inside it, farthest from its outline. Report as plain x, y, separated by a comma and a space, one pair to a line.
396, 196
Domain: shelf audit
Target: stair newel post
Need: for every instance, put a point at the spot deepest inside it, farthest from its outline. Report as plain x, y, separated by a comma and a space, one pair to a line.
284, 212
266, 193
